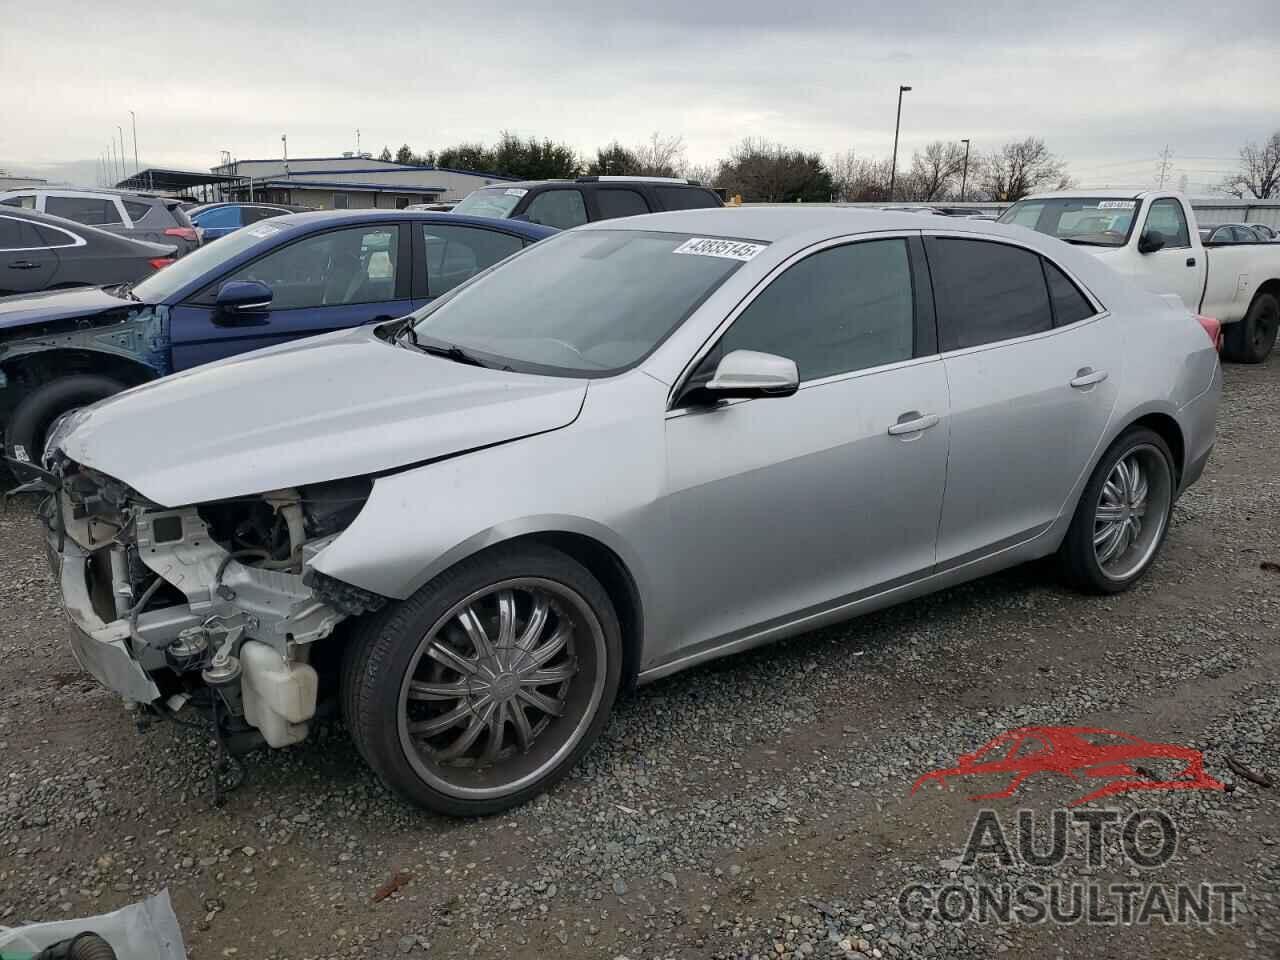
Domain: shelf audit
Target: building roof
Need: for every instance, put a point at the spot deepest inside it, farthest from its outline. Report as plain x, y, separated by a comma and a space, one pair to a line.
294, 183
172, 180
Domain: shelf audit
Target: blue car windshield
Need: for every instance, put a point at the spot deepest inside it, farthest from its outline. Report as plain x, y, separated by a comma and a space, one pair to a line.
164, 283
586, 302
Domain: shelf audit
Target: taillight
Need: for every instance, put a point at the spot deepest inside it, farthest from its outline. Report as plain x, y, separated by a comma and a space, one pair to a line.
185, 233
160, 262
1213, 328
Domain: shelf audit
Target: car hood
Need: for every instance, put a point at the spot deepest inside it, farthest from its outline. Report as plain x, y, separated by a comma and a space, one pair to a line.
30, 309
341, 405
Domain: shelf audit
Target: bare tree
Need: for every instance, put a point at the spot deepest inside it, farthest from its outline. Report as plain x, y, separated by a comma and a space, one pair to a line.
660, 156
703, 173
933, 170
855, 178
1259, 172
1019, 168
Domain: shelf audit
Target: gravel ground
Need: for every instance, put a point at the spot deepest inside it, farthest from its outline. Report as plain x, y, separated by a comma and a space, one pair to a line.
759, 806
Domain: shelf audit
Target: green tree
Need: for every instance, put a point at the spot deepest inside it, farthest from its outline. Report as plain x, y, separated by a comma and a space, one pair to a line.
466, 156
615, 160
404, 154
385, 154
762, 171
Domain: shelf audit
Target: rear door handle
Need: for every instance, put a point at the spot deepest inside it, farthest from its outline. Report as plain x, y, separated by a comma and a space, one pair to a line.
915, 424
1087, 377
23, 265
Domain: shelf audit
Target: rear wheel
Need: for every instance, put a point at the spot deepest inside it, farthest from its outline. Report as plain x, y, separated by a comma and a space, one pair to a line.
487, 685
1250, 340
39, 410
1123, 514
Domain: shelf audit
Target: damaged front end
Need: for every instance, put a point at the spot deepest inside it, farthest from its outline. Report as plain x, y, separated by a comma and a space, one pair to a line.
213, 604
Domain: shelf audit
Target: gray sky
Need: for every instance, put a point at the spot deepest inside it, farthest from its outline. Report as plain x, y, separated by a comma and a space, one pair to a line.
1105, 87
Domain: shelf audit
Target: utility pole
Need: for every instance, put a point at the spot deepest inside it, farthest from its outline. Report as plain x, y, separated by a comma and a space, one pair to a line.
137, 167
964, 177
357, 141
1165, 157
123, 174
111, 146
893, 172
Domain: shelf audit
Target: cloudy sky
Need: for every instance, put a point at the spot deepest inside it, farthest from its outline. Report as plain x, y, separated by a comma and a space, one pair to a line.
1106, 87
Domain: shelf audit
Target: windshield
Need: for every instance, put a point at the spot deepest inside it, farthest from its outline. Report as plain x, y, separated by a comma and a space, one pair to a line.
196, 264
1095, 221
497, 202
584, 303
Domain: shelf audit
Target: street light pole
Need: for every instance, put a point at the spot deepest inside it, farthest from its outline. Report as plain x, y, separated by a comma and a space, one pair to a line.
137, 167
893, 172
120, 130
964, 177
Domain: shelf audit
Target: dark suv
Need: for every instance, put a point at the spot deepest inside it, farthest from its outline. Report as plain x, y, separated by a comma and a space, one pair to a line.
569, 203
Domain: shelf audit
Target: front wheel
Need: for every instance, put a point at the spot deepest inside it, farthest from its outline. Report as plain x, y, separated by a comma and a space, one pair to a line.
37, 412
1250, 340
486, 686
1123, 514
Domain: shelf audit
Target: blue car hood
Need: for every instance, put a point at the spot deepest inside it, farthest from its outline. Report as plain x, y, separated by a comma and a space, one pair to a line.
340, 405
36, 309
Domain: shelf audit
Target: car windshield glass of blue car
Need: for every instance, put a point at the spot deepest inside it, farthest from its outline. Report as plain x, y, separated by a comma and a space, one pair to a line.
587, 303
196, 264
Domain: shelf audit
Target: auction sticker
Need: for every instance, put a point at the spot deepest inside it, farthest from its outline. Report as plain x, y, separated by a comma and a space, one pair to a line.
263, 230
729, 249
515, 191
1115, 204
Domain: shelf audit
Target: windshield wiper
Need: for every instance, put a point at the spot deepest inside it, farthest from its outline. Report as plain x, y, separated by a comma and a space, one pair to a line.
1084, 243
125, 292
439, 348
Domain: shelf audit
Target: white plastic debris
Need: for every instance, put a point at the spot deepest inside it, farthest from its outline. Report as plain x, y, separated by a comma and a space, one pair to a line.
141, 931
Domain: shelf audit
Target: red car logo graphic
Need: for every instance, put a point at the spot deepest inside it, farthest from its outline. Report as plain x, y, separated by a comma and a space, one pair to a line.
1079, 753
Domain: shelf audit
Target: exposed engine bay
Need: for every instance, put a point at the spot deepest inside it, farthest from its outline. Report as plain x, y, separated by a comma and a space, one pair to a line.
211, 605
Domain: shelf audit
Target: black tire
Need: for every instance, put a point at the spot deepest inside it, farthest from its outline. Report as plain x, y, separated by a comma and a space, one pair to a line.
37, 411
1250, 340
385, 653
1078, 556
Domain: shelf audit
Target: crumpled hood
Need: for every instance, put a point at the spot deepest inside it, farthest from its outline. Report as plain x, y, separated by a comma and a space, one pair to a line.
335, 406
33, 309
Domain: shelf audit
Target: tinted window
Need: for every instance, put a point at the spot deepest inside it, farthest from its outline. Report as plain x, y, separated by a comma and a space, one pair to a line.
614, 202
686, 198
218, 218
250, 215
26, 201
1069, 304
52, 236
986, 292
331, 269
456, 254
842, 309
136, 209
83, 209
1167, 217
18, 235
558, 208
1245, 235
496, 202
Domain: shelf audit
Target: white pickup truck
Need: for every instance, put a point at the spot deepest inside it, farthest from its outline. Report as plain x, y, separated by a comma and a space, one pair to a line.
1152, 237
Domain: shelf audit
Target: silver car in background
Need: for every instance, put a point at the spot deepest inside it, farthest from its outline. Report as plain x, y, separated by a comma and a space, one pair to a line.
629, 449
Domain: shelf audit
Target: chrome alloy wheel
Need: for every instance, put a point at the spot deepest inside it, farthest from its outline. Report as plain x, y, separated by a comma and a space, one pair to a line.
502, 687
1132, 511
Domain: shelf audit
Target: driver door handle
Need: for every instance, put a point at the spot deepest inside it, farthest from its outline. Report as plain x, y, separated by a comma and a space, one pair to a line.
918, 422
1087, 377
23, 265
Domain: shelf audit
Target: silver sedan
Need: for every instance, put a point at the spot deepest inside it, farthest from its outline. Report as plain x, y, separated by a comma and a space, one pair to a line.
632, 448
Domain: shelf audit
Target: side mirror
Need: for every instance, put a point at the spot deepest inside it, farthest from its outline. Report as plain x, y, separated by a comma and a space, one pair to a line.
244, 296
1150, 241
749, 373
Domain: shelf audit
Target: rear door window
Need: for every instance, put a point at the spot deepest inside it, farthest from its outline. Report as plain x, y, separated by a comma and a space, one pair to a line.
986, 292
1069, 304
456, 254
558, 208
18, 234
219, 218
686, 198
91, 210
617, 202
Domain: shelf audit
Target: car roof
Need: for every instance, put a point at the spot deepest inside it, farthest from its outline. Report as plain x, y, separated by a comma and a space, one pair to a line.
88, 192
608, 181
774, 223
338, 218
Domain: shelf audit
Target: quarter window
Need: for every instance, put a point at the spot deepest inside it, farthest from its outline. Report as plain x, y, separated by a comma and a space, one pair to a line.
986, 292
842, 309
456, 254
331, 269
686, 198
1069, 304
91, 210
1167, 217
136, 209
27, 201
558, 208
17, 234
614, 202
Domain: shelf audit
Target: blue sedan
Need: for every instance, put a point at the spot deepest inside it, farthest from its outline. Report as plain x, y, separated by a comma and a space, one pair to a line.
284, 278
